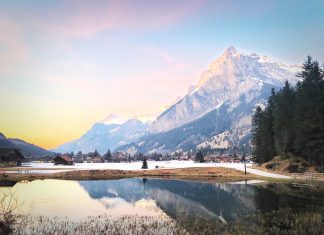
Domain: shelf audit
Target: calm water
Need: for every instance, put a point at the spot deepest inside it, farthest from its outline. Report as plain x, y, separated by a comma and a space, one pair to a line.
176, 199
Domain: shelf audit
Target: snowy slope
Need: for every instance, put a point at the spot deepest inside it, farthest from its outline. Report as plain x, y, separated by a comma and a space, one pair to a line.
222, 102
229, 77
110, 133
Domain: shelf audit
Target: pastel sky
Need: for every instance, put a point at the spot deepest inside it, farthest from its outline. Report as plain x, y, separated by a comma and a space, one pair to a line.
67, 64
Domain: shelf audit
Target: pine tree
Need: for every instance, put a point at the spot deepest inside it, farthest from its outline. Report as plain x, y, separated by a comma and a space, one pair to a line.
199, 157
108, 156
256, 135
283, 127
293, 120
262, 132
144, 166
309, 116
268, 132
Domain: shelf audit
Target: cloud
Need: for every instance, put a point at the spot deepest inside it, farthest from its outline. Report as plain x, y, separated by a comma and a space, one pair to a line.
81, 18
50, 29
12, 47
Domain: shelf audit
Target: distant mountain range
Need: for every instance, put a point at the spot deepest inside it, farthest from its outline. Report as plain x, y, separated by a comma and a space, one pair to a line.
27, 149
110, 133
216, 113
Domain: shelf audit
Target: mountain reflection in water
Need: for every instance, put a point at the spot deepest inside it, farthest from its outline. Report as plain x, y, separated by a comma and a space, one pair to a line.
179, 198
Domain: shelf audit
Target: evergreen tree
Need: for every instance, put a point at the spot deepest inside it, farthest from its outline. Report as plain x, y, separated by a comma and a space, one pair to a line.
283, 127
293, 120
144, 166
309, 116
256, 135
262, 132
108, 156
199, 157
268, 133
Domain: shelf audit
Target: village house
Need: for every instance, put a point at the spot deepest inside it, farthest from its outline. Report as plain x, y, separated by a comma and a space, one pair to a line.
78, 158
63, 160
97, 159
184, 158
166, 157
119, 157
10, 157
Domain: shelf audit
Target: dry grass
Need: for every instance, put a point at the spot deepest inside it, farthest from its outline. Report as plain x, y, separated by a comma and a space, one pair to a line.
202, 173
287, 165
125, 225
281, 222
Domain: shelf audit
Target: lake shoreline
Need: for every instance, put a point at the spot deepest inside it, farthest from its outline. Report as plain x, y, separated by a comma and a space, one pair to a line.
209, 173
213, 174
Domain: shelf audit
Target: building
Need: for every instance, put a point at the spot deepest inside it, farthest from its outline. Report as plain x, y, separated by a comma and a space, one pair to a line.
78, 159
97, 159
63, 160
10, 157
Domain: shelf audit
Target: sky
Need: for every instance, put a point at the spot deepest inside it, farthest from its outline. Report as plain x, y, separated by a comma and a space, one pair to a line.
65, 65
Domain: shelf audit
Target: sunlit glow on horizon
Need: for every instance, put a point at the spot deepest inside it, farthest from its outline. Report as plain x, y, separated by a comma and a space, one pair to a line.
67, 64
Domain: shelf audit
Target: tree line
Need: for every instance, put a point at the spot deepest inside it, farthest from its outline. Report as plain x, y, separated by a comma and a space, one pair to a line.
293, 119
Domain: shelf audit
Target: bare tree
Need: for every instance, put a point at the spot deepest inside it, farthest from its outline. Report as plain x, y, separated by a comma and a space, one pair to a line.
13, 218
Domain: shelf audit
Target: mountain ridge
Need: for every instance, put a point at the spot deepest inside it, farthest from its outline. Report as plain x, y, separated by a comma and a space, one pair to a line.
231, 87
217, 110
27, 149
106, 135
231, 73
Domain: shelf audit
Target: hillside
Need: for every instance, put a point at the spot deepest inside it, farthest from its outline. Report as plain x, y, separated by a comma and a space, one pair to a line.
107, 134
290, 164
27, 149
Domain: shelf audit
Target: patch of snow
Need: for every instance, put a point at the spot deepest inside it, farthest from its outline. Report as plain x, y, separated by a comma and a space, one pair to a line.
113, 119
229, 77
141, 143
152, 164
114, 130
218, 141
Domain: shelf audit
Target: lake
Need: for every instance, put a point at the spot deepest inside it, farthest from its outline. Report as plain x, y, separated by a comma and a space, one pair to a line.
175, 200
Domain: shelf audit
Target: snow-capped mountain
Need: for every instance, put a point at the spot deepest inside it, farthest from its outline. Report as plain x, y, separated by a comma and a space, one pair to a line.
113, 119
228, 78
216, 113
109, 133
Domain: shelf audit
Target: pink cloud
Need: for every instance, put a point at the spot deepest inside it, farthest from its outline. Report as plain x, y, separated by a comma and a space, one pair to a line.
83, 18
12, 47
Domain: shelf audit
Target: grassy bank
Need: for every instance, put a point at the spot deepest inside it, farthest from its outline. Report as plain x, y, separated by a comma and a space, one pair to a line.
282, 221
212, 174
216, 173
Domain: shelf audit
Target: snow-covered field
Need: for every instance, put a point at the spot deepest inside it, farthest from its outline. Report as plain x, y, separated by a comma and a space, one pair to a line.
151, 165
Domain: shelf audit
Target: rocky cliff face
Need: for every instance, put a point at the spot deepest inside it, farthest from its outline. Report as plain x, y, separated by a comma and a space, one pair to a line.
217, 112
227, 79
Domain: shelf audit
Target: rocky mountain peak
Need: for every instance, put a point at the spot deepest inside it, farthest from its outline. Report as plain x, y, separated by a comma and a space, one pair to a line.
228, 78
113, 119
231, 51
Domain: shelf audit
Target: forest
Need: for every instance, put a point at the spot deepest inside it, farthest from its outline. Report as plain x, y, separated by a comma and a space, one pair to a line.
293, 119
